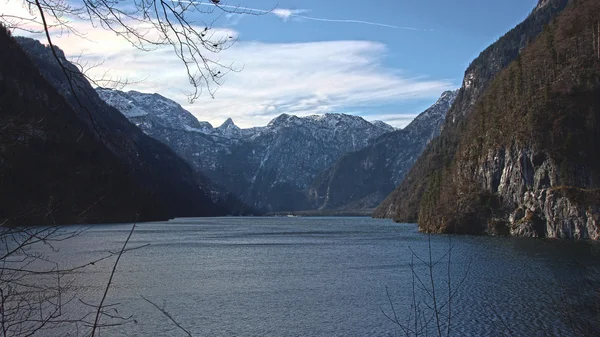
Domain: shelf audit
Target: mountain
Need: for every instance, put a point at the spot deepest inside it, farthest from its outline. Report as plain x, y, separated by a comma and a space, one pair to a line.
74, 159
268, 167
167, 122
403, 203
362, 179
523, 158
274, 167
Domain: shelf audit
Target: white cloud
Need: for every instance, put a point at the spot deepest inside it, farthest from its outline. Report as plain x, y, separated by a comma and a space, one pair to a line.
309, 78
399, 120
298, 78
285, 14
302, 79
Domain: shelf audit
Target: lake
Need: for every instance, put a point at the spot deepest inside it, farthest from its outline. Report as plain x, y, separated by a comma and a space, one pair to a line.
279, 276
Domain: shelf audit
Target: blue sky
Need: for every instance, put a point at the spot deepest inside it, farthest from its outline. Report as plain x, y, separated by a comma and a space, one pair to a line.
449, 35
311, 57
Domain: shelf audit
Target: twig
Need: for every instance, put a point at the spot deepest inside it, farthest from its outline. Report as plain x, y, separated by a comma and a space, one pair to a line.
164, 312
98, 312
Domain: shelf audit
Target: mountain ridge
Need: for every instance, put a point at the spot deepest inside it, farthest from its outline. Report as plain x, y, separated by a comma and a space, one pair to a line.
361, 180
268, 166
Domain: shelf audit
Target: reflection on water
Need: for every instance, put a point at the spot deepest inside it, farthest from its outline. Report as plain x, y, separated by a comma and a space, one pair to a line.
324, 277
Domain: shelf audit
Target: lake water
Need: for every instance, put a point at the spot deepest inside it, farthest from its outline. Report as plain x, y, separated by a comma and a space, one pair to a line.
322, 277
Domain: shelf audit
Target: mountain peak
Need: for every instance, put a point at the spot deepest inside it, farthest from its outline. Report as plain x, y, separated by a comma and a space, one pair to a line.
449, 94
436, 112
228, 124
383, 125
280, 120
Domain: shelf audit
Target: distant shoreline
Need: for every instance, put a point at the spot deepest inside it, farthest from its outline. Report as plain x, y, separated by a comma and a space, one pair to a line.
365, 212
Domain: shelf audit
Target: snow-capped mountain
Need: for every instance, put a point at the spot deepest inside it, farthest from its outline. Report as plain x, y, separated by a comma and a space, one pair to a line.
165, 120
268, 167
362, 179
284, 157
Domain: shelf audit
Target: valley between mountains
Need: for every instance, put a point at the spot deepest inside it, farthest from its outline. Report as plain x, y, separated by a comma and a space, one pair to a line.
514, 151
293, 163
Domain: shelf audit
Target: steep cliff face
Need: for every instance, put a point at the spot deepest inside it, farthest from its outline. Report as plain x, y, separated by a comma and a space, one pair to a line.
403, 204
526, 158
529, 198
268, 167
362, 179
64, 162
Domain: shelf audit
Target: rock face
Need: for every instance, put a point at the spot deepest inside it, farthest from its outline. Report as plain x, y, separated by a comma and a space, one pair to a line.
285, 157
528, 198
164, 120
520, 157
74, 159
362, 179
268, 167
403, 204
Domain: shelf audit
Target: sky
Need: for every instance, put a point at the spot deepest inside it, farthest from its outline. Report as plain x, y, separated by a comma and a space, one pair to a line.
383, 60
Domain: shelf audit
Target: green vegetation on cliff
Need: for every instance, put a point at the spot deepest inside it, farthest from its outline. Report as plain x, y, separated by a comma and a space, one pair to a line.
532, 129
403, 204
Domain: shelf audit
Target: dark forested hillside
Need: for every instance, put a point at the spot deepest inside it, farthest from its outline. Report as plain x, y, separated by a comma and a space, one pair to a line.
61, 162
403, 203
526, 158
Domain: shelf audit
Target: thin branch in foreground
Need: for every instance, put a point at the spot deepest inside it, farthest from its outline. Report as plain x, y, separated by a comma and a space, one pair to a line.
168, 315
112, 274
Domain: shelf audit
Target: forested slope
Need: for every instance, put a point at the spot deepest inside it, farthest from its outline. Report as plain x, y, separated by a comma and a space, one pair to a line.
66, 163
403, 203
525, 159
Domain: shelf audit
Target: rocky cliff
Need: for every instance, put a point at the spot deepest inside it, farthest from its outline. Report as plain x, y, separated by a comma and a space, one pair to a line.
403, 203
522, 159
362, 179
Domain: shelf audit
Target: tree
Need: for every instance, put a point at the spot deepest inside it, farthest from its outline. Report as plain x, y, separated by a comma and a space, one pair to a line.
35, 290
431, 307
146, 25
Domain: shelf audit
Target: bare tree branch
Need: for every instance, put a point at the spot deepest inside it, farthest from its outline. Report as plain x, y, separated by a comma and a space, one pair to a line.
168, 315
108, 284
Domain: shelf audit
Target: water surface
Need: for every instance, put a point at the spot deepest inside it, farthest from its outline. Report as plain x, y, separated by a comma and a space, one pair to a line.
319, 277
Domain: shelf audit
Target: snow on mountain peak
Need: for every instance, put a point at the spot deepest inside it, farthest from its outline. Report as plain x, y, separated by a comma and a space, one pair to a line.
122, 102
449, 95
229, 130
383, 125
541, 4
153, 110
328, 120
434, 113
228, 124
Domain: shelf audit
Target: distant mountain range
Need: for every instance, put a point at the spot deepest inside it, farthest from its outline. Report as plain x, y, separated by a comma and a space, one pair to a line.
268, 167
141, 138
